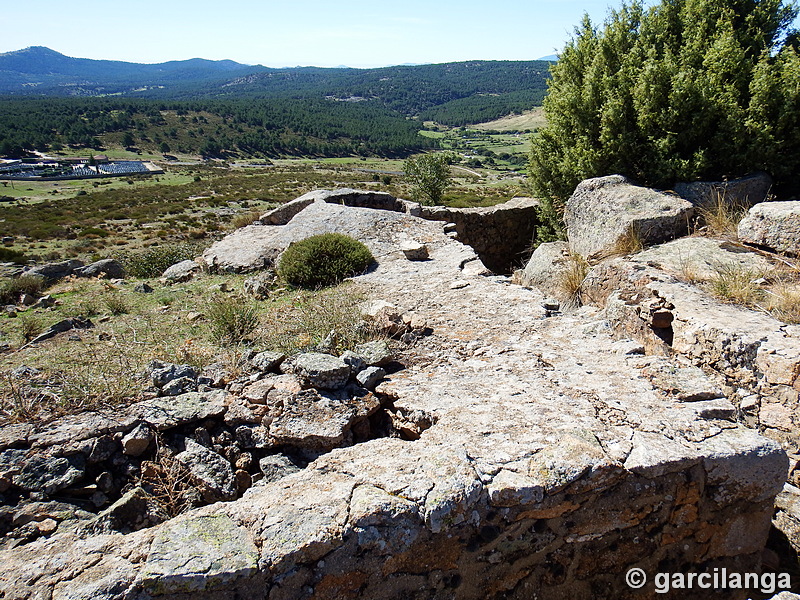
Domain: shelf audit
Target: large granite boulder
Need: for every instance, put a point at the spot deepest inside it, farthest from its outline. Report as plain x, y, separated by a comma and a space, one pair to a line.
773, 225
739, 193
546, 267
54, 271
107, 267
604, 213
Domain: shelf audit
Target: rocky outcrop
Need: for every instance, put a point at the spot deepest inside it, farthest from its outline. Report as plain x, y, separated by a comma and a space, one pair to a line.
529, 460
701, 258
107, 267
739, 193
501, 235
773, 225
257, 246
526, 457
607, 215
54, 271
754, 357
344, 197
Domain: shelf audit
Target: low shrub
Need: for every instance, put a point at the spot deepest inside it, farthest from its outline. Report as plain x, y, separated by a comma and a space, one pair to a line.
9, 255
30, 326
323, 260
232, 320
12, 289
116, 303
153, 261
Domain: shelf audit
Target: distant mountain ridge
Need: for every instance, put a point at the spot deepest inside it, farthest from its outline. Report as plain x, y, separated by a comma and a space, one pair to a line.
40, 70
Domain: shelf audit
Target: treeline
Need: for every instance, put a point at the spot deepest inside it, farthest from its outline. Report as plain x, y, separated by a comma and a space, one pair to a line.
268, 127
410, 90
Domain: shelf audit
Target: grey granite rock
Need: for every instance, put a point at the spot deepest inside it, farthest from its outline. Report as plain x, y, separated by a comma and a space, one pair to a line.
107, 267
198, 554
54, 271
370, 377
182, 271
168, 412
603, 211
322, 371
736, 193
136, 442
375, 353
212, 472
774, 225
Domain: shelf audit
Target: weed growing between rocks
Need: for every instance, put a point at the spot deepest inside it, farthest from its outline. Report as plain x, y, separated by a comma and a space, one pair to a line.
232, 319
783, 302
736, 284
721, 219
629, 242
570, 283
168, 481
245, 219
328, 320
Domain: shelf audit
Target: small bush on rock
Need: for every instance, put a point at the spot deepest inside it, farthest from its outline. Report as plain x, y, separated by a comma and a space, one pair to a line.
323, 260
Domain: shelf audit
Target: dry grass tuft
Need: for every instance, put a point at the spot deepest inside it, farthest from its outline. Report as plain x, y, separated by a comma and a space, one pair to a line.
736, 284
570, 284
330, 317
169, 482
721, 219
245, 219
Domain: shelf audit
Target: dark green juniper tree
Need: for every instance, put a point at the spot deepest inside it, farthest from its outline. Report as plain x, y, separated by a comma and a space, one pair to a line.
685, 90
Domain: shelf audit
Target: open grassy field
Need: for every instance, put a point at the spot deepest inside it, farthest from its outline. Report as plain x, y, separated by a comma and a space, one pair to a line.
528, 121
89, 219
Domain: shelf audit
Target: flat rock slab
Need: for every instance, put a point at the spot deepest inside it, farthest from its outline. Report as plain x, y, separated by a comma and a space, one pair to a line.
168, 412
702, 258
198, 553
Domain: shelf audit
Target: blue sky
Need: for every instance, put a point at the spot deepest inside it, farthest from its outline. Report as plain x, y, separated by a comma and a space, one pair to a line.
355, 33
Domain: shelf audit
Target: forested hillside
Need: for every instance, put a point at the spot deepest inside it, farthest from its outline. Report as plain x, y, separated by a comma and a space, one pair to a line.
218, 108
213, 128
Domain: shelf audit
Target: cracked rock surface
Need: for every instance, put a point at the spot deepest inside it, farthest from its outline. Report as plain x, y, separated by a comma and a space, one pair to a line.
549, 465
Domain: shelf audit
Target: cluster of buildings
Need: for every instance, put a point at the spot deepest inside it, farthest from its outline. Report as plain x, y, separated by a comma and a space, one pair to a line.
52, 169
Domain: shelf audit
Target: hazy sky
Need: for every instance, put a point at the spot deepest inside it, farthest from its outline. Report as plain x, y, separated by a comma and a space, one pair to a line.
355, 33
